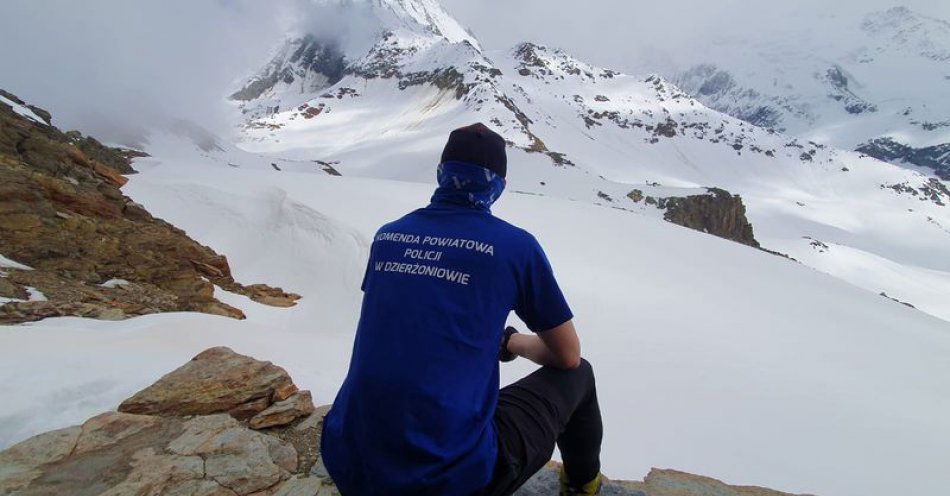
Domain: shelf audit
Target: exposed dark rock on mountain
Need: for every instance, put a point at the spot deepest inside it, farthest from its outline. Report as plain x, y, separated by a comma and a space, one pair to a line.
841, 92
207, 452
62, 213
305, 61
718, 88
719, 213
934, 157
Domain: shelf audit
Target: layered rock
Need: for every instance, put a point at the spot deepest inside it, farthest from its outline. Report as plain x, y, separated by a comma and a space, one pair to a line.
658, 482
719, 213
63, 214
218, 380
199, 438
119, 454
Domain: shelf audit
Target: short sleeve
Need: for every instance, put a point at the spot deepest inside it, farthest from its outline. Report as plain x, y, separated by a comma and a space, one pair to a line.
540, 303
369, 265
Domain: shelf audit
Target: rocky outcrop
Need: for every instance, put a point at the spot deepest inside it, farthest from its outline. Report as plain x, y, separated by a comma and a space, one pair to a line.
219, 380
658, 482
123, 454
197, 439
719, 213
935, 157
63, 214
194, 432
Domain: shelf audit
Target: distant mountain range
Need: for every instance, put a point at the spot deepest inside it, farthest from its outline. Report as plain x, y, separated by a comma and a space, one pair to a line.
777, 126
876, 84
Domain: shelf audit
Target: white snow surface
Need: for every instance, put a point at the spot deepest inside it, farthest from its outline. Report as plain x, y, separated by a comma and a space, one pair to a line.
711, 357
35, 294
114, 283
22, 110
895, 60
6, 263
603, 123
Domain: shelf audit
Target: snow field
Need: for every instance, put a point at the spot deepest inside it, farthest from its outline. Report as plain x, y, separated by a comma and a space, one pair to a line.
711, 357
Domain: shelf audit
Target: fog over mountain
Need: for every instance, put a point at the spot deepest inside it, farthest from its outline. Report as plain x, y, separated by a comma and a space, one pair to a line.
639, 37
753, 239
163, 61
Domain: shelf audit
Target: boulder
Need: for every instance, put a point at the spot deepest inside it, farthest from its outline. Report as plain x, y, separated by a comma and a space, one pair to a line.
284, 412
217, 380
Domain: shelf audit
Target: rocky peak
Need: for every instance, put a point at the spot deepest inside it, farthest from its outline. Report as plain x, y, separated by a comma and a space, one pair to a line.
425, 15
542, 62
304, 65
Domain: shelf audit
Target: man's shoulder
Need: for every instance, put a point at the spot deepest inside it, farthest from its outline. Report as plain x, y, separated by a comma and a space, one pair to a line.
517, 233
405, 221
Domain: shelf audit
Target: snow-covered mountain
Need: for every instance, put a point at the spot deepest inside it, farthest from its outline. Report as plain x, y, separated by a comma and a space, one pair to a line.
711, 357
596, 135
875, 83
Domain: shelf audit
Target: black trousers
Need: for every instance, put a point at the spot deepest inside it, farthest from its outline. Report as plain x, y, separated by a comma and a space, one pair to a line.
550, 406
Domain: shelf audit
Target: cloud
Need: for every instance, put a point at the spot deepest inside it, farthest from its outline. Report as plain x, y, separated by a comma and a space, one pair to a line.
638, 36
115, 68
352, 26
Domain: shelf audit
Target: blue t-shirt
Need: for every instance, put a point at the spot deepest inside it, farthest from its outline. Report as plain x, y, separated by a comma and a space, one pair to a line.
414, 415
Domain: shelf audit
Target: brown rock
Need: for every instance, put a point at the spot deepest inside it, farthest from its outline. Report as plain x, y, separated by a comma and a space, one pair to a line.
116, 454
284, 412
62, 212
247, 410
23, 462
111, 428
665, 482
217, 380
718, 213
109, 174
10, 290
20, 222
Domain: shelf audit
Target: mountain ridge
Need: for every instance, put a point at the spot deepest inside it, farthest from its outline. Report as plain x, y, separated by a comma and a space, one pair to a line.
597, 135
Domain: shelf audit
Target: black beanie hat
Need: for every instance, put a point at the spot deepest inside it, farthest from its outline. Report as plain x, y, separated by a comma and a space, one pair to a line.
476, 144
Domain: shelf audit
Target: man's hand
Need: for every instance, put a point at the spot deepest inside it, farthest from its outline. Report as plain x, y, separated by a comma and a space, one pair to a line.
505, 354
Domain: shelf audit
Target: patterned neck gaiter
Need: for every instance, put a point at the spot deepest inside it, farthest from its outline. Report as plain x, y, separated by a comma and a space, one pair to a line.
467, 185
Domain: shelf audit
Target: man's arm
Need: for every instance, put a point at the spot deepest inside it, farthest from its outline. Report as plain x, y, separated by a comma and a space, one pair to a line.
558, 347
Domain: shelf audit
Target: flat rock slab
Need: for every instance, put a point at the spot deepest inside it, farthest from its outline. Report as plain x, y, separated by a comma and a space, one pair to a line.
116, 454
658, 482
195, 442
215, 381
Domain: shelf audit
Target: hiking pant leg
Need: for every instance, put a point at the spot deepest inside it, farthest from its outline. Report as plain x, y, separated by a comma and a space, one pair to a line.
547, 408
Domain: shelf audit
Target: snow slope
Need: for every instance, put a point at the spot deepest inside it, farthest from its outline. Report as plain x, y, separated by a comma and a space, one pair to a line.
595, 135
711, 357
839, 80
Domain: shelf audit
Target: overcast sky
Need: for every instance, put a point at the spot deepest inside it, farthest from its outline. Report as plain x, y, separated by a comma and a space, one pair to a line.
114, 67
632, 35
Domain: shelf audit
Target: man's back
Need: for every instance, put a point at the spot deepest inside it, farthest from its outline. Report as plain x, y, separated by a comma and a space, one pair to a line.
420, 412
414, 414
